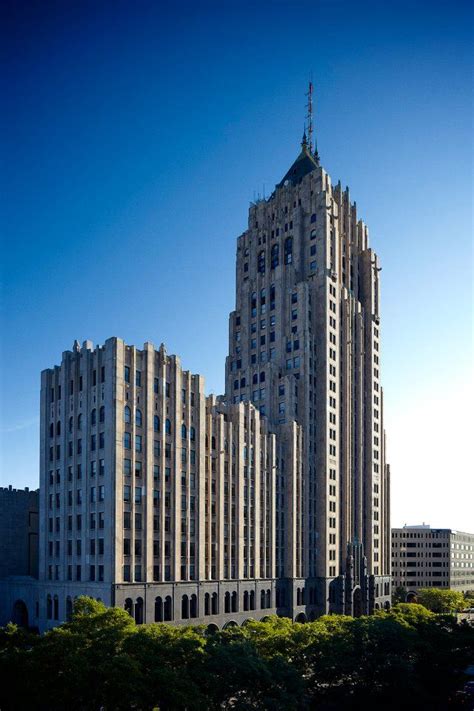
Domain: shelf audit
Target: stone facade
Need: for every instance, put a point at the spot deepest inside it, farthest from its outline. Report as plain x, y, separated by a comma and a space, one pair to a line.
304, 346
425, 557
273, 498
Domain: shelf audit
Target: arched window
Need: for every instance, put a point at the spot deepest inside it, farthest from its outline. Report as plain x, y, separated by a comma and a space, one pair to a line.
128, 606
168, 427
68, 609
127, 415
71, 424
227, 602
138, 418
184, 607
234, 601
303, 596
167, 609
139, 611
207, 604
158, 609
261, 262
58, 427
49, 607
56, 607
275, 256
268, 599
252, 599
214, 604
246, 600
183, 432
156, 423
51, 429
94, 417
262, 599
192, 434
289, 250
193, 606
102, 414
79, 422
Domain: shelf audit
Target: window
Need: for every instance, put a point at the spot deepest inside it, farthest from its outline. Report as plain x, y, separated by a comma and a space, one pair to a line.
289, 250
261, 262
168, 427
127, 440
126, 493
192, 434
127, 414
102, 414
275, 256
183, 432
138, 378
93, 442
94, 417
138, 443
102, 493
156, 385
138, 418
156, 423
126, 374
138, 494
138, 468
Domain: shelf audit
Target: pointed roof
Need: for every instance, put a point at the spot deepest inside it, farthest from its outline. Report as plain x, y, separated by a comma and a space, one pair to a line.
304, 164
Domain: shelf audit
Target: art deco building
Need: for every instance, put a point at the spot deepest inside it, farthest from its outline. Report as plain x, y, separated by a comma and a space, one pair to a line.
273, 498
304, 347
425, 557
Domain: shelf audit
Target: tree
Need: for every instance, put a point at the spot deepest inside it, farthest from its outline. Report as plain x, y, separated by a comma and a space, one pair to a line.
441, 601
399, 595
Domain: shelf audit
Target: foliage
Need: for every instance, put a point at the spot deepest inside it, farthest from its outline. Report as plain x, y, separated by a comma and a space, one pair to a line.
399, 595
441, 601
403, 658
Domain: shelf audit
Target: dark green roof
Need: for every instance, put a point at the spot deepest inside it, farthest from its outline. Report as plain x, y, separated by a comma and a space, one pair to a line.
304, 164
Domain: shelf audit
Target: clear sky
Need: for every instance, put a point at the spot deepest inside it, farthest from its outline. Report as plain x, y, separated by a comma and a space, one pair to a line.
134, 136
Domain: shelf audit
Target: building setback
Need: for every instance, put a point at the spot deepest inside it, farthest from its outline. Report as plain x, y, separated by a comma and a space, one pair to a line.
273, 498
425, 557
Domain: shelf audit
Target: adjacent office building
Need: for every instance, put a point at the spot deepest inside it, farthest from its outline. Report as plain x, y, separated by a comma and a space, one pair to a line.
425, 557
273, 498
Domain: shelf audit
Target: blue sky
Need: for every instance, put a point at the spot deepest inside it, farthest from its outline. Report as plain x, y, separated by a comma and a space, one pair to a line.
134, 136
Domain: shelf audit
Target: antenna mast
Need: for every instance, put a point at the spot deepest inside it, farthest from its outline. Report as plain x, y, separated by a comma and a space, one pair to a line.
309, 115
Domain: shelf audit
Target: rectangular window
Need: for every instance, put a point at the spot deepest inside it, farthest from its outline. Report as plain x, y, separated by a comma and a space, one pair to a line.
126, 493
138, 495
138, 443
138, 378
101, 492
126, 374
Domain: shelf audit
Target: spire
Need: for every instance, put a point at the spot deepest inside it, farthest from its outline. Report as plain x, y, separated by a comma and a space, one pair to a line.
309, 115
304, 141
309, 119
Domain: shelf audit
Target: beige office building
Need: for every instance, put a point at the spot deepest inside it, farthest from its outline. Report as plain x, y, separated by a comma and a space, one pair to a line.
272, 498
425, 557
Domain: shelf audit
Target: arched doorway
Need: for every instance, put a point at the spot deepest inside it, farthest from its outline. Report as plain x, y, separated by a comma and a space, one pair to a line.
20, 614
301, 617
357, 602
229, 624
212, 629
139, 611
411, 597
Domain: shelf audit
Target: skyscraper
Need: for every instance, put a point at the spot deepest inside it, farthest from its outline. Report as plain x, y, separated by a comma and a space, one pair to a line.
304, 346
273, 498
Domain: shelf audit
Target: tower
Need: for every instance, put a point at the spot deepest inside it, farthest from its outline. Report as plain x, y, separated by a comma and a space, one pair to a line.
304, 347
